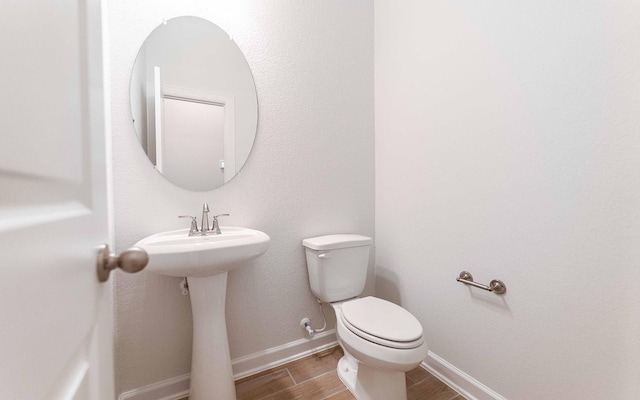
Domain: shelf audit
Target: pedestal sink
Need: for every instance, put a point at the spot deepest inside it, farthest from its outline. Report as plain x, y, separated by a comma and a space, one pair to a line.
205, 261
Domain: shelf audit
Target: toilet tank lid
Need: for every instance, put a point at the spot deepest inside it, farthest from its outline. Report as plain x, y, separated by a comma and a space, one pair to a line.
331, 242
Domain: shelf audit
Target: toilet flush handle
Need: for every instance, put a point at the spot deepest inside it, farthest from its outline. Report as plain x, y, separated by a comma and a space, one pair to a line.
324, 255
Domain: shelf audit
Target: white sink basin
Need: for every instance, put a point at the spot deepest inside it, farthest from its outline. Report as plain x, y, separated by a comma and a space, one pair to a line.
174, 253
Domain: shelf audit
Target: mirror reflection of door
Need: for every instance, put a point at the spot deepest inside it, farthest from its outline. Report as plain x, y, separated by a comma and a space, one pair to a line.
192, 134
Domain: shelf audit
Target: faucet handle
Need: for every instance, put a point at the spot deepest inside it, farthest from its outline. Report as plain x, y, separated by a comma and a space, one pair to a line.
194, 223
216, 226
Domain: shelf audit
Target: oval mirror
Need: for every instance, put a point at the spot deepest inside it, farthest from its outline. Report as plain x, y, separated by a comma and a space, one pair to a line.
193, 103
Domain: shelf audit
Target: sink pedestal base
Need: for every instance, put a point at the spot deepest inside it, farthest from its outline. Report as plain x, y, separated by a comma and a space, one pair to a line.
211, 373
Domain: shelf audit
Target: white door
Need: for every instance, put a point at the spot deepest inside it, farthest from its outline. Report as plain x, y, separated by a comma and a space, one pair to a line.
193, 161
54, 343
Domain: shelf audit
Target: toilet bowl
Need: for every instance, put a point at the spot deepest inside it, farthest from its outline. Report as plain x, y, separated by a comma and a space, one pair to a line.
380, 340
371, 369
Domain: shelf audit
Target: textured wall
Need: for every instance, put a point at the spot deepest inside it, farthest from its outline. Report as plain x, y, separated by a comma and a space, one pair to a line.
310, 172
507, 144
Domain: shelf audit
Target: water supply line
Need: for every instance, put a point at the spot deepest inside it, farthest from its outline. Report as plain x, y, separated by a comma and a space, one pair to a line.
306, 323
184, 287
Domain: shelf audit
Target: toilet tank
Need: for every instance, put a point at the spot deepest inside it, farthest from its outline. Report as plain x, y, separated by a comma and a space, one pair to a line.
337, 265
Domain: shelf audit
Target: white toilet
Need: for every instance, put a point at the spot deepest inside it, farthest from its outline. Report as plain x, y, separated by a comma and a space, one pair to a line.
381, 340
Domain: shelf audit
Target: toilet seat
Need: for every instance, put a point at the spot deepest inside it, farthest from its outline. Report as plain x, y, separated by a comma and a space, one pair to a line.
382, 322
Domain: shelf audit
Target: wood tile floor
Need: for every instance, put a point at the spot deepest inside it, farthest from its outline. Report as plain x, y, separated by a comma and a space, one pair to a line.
315, 378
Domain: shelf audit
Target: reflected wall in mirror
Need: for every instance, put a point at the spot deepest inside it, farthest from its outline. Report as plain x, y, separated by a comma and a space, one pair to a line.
193, 103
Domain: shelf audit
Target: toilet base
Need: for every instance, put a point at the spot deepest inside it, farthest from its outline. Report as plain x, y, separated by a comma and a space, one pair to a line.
367, 383
348, 371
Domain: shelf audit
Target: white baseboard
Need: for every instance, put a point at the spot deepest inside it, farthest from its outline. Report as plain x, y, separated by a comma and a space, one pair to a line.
178, 387
263, 360
458, 380
170, 389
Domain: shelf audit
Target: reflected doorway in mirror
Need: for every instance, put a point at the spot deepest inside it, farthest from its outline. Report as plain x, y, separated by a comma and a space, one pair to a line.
191, 135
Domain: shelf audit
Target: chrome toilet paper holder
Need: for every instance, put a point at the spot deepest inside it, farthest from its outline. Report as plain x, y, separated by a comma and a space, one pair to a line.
496, 286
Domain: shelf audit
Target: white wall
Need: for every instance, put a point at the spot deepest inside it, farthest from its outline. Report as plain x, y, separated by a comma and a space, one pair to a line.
310, 172
508, 144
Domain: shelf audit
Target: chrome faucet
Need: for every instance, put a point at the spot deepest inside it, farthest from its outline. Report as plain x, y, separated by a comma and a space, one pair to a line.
204, 227
204, 224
